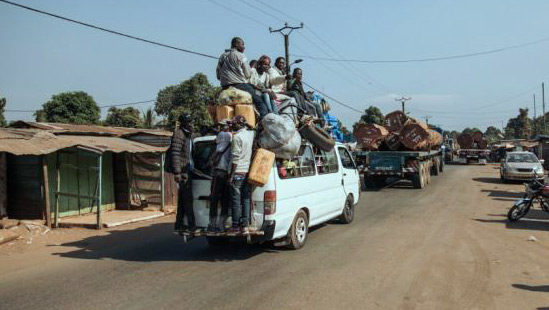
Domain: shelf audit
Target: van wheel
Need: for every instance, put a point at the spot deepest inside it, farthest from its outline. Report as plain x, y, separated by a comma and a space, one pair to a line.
348, 214
298, 231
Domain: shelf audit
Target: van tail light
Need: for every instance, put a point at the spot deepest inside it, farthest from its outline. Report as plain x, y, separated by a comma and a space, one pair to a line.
269, 202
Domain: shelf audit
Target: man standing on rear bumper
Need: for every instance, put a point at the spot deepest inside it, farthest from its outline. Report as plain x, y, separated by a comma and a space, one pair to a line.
241, 150
181, 149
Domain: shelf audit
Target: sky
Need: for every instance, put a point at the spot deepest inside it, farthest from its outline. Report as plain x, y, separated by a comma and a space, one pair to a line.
41, 56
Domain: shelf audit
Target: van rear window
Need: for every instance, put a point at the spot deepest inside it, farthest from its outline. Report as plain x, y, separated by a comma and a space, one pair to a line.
202, 151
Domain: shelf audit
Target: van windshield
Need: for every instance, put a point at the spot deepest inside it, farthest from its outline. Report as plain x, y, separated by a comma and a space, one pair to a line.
202, 152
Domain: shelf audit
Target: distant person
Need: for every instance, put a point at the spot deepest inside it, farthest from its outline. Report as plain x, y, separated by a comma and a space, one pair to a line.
241, 151
181, 146
233, 70
253, 64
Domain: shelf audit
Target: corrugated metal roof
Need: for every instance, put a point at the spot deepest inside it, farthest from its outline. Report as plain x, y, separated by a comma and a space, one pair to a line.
59, 128
31, 142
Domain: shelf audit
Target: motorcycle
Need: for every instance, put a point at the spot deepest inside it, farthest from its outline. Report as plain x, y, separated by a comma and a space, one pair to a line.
536, 191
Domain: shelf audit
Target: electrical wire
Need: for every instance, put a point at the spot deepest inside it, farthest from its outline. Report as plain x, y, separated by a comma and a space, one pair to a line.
333, 99
100, 107
451, 57
108, 30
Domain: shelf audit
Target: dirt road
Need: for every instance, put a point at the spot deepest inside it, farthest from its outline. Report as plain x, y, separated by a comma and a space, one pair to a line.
445, 247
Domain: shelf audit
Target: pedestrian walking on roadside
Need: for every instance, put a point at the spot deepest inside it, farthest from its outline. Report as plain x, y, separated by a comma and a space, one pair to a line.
182, 166
241, 151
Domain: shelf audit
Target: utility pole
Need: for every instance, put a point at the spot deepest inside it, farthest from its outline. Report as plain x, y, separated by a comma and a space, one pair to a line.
427, 117
535, 130
286, 31
403, 100
543, 104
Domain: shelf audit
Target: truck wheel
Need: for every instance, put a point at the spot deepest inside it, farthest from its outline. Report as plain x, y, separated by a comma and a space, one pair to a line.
427, 174
418, 180
298, 231
441, 166
435, 168
348, 214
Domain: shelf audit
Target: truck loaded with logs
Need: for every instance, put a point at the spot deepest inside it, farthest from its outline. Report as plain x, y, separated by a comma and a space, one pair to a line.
473, 148
402, 148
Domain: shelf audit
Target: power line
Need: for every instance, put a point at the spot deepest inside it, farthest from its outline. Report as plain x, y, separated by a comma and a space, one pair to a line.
467, 55
108, 30
333, 99
101, 107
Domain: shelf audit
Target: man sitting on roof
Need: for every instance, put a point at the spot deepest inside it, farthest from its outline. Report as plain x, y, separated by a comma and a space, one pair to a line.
233, 70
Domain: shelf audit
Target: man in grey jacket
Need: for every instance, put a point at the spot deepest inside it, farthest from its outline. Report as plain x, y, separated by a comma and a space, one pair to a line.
233, 70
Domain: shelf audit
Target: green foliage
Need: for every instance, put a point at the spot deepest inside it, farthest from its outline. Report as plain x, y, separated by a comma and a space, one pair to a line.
127, 117
149, 119
71, 107
518, 127
190, 96
372, 115
2, 108
493, 134
469, 130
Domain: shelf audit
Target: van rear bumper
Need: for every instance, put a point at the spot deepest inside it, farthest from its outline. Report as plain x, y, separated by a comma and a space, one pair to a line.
268, 232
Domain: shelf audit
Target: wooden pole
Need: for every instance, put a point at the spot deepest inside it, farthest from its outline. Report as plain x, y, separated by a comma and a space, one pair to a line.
58, 189
99, 191
162, 183
47, 207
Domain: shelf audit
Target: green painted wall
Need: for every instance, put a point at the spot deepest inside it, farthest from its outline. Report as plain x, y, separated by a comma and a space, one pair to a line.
78, 175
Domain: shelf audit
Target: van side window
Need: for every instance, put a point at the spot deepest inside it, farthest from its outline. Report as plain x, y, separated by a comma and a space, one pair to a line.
326, 162
302, 165
346, 159
202, 151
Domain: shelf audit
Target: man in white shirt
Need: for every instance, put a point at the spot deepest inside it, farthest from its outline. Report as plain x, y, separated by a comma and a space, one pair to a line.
241, 151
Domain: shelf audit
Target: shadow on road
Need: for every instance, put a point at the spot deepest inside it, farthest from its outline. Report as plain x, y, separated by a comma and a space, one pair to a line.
157, 243
534, 220
488, 180
538, 288
500, 193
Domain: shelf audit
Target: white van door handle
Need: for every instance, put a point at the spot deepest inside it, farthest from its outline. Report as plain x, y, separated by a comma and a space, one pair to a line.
344, 174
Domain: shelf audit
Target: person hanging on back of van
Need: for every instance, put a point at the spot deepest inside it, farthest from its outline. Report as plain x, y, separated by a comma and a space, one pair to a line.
181, 149
221, 165
241, 151
233, 70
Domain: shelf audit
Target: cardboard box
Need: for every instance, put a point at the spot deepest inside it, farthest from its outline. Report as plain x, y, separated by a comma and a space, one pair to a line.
247, 111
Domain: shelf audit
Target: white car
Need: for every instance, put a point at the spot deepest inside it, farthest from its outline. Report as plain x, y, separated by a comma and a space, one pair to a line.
312, 188
520, 166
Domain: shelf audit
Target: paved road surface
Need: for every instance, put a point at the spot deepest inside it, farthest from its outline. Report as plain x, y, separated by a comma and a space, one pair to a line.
444, 247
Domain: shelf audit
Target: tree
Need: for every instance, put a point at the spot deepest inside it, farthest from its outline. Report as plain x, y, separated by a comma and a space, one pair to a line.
127, 117
493, 134
2, 109
190, 96
149, 119
372, 115
518, 127
71, 107
469, 130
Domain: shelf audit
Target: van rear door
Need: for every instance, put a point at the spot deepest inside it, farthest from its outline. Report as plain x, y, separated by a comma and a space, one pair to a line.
202, 180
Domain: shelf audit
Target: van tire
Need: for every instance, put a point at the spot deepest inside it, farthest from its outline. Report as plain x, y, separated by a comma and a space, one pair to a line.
299, 231
318, 137
348, 214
